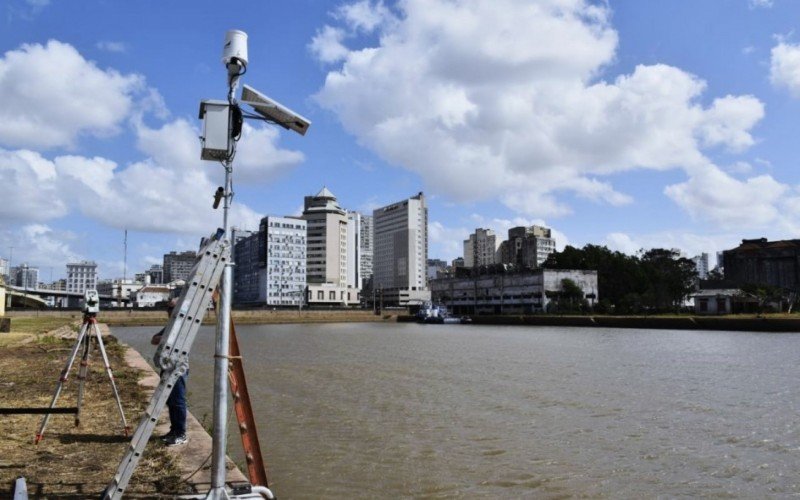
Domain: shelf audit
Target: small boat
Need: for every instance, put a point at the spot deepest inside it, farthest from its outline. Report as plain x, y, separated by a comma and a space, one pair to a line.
438, 314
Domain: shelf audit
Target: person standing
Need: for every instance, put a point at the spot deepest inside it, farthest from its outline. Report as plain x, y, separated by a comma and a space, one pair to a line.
176, 403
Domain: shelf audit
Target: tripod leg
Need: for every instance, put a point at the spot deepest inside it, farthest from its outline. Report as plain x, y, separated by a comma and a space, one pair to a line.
82, 373
125, 429
63, 378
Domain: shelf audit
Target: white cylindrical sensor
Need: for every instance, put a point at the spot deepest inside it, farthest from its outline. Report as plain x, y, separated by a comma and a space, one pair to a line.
235, 47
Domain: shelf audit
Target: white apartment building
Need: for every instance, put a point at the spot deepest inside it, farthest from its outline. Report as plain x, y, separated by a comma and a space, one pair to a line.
81, 276
701, 263
119, 289
480, 248
366, 249
4, 267
401, 251
270, 265
326, 251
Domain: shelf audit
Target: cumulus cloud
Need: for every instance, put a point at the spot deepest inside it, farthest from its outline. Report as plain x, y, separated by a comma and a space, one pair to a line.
784, 70
50, 95
170, 190
509, 92
39, 245
327, 45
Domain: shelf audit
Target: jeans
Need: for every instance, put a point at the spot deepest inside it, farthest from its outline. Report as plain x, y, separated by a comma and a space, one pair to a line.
177, 407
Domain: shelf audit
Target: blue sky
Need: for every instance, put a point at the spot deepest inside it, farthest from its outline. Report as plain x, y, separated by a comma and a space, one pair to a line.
629, 123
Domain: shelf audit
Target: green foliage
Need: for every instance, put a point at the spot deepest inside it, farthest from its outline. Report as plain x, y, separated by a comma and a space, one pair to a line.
657, 280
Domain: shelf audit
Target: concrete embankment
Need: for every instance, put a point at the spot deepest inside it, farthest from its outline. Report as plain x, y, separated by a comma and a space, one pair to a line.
730, 323
194, 458
149, 317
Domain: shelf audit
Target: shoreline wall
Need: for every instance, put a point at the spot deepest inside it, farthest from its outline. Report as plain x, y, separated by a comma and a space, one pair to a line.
750, 324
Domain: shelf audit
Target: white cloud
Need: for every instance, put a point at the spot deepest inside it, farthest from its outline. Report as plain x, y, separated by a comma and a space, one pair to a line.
756, 4
501, 226
168, 191
784, 68
109, 46
448, 241
50, 95
507, 92
29, 187
327, 45
364, 15
690, 244
715, 196
40, 246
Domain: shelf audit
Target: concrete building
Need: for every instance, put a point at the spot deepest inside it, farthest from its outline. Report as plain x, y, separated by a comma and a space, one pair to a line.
327, 294
353, 250
177, 266
366, 249
762, 262
121, 289
151, 295
271, 263
527, 246
480, 248
701, 264
436, 268
25, 276
401, 251
515, 293
4, 270
81, 276
327, 239
156, 274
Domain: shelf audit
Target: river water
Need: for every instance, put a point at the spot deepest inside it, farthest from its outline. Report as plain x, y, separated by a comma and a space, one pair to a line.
443, 411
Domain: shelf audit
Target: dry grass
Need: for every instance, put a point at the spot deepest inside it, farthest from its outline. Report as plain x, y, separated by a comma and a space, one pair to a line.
73, 462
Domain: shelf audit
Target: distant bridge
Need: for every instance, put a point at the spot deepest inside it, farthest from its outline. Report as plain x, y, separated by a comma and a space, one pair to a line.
34, 297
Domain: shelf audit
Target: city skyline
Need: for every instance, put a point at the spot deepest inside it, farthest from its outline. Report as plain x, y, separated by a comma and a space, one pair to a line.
630, 125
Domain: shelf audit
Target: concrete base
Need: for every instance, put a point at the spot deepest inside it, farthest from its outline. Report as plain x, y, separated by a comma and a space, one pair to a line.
5, 325
195, 456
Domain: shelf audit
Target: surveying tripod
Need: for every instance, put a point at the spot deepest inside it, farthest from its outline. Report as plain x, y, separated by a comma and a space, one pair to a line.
88, 330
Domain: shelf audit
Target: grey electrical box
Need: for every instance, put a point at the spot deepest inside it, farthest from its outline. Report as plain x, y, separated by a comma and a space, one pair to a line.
216, 138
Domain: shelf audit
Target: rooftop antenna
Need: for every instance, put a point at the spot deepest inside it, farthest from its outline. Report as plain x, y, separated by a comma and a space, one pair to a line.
222, 128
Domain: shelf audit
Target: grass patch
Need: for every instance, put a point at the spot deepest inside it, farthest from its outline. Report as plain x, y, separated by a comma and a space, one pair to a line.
74, 462
40, 324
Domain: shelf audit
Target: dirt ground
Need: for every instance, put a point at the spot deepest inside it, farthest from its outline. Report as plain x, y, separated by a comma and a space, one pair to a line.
72, 462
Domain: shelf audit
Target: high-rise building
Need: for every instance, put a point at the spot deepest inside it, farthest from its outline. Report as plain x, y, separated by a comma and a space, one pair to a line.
271, 263
701, 264
177, 266
327, 239
480, 248
81, 276
156, 274
527, 246
401, 251
25, 276
436, 269
353, 250
366, 250
4, 270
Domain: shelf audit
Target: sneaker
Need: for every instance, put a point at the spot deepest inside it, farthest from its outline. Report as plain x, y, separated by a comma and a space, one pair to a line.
176, 440
166, 437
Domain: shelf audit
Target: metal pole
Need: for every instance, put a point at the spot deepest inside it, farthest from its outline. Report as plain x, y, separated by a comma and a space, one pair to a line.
219, 434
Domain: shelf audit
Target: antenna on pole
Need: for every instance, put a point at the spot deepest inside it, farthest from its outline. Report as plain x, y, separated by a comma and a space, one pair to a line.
125, 257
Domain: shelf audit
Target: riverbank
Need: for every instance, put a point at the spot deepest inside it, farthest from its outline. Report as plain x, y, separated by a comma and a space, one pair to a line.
149, 317
750, 323
78, 462
72, 462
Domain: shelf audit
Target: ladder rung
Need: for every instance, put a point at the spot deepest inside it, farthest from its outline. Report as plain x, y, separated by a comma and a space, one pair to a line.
36, 411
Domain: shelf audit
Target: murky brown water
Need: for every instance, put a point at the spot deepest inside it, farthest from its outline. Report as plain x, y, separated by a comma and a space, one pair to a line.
441, 411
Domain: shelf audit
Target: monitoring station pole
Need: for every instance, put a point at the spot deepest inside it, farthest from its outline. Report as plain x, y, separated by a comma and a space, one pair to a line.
222, 128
